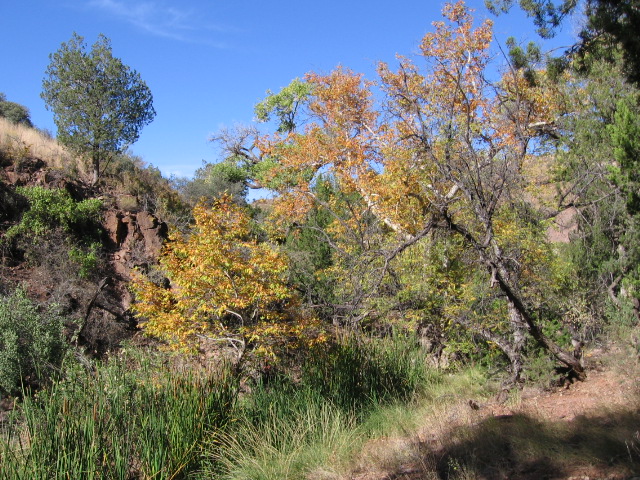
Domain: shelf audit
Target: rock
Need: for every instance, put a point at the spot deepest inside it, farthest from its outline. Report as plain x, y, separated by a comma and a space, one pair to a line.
154, 233
136, 239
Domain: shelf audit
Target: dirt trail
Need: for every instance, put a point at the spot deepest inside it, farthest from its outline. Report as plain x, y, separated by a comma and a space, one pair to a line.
603, 388
589, 430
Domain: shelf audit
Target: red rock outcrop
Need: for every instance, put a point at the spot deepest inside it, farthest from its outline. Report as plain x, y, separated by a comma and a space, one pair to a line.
136, 239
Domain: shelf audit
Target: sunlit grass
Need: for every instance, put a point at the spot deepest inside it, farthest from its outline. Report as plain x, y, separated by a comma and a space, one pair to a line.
120, 420
20, 142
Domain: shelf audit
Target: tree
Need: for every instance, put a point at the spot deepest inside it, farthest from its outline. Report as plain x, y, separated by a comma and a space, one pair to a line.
616, 21
224, 285
213, 180
14, 112
99, 104
609, 23
445, 152
285, 105
598, 158
547, 15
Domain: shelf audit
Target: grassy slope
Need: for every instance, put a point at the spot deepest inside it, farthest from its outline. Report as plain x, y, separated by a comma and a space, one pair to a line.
18, 142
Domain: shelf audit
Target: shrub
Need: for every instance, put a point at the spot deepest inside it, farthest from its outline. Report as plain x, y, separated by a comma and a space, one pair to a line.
86, 260
31, 343
51, 208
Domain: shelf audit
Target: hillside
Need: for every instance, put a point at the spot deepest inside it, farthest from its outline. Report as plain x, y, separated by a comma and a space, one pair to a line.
89, 286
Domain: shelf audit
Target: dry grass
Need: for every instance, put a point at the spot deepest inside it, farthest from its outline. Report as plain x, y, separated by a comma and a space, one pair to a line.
19, 142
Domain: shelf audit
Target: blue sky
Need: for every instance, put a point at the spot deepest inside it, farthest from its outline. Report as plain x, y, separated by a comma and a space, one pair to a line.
207, 62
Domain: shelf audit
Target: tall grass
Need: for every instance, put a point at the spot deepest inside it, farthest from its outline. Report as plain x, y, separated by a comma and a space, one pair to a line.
360, 371
289, 428
118, 422
133, 418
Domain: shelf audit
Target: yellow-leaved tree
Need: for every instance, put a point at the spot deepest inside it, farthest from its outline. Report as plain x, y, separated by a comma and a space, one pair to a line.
224, 285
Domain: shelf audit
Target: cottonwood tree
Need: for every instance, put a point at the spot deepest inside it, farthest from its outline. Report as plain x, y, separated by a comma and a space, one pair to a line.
445, 152
99, 104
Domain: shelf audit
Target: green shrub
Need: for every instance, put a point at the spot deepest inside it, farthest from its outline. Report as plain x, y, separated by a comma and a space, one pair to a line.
51, 208
31, 343
86, 259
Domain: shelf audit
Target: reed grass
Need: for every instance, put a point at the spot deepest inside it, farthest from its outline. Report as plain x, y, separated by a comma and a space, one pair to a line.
136, 418
290, 428
118, 422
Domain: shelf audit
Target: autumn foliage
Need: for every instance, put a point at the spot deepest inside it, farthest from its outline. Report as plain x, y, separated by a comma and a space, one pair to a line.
440, 153
224, 284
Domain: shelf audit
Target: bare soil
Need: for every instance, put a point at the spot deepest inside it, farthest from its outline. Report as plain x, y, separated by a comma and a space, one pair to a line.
582, 431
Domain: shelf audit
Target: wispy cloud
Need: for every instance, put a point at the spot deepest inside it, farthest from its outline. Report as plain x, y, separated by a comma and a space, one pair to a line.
162, 20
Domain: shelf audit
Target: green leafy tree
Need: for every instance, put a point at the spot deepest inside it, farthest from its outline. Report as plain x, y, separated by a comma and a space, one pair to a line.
285, 105
212, 180
547, 15
308, 246
618, 21
99, 104
596, 173
14, 112
625, 135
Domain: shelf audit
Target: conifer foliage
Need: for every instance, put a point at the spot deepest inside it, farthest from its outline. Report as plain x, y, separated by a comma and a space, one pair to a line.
99, 104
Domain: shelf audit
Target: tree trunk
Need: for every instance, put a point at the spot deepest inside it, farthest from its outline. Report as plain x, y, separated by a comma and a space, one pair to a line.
519, 329
516, 304
95, 164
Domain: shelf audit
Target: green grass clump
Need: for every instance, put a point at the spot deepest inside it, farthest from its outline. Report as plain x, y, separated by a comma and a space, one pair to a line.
362, 371
321, 419
119, 421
